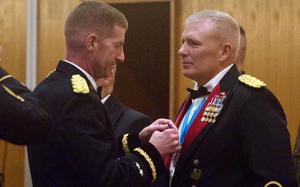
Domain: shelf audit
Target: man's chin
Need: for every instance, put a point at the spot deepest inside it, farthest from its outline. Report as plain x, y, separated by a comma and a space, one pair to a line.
186, 74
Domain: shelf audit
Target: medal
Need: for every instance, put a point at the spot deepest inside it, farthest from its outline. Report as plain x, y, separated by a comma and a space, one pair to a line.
213, 108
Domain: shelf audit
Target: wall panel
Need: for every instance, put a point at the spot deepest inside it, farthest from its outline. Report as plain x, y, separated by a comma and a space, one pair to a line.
51, 43
273, 32
12, 39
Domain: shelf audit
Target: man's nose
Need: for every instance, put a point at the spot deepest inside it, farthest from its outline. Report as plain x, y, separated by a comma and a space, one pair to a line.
121, 56
182, 50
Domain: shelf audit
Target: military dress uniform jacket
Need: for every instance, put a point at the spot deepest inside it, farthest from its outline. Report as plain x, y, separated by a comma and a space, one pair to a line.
125, 119
22, 119
244, 140
82, 149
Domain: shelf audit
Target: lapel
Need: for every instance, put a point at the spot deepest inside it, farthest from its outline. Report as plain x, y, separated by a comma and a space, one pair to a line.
70, 70
200, 129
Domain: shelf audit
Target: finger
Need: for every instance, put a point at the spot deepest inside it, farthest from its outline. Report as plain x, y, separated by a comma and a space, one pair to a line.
172, 125
164, 121
158, 128
171, 132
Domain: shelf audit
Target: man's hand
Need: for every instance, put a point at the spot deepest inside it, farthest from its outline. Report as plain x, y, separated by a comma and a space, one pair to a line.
166, 142
158, 125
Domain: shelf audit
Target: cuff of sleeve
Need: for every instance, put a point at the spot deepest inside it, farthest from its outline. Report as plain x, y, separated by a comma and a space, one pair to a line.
134, 141
129, 141
150, 155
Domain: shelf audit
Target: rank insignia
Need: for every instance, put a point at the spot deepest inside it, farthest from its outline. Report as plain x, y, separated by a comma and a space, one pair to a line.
141, 172
79, 84
196, 174
213, 108
251, 81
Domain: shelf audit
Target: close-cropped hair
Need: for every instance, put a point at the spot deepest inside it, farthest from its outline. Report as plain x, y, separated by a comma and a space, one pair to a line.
225, 25
92, 16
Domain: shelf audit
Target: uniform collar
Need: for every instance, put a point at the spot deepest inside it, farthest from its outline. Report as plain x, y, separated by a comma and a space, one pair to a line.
89, 77
216, 79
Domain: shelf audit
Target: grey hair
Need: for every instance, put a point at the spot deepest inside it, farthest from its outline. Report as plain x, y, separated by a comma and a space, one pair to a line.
225, 25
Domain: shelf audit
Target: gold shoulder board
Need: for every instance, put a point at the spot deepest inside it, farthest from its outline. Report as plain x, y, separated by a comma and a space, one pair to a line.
79, 84
251, 81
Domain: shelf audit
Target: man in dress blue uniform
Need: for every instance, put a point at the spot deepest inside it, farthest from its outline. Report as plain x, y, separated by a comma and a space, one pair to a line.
124, 119
233, 131
23, 121
82, 149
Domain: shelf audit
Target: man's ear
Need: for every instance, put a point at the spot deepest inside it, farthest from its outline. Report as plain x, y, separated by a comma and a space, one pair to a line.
91, 41
225, 51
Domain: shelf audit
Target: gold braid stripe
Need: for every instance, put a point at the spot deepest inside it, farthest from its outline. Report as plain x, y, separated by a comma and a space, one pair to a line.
150, 162
9, 91
5, 77
273, 182
125, 143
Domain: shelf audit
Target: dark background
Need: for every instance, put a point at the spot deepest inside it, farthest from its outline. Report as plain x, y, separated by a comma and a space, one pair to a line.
142, 82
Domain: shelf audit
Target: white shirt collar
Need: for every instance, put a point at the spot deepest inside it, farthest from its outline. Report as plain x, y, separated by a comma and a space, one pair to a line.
216, 79
85, 73
105, 99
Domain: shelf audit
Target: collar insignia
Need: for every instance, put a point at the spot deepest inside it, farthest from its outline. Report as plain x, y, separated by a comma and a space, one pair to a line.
79, 84
251, 81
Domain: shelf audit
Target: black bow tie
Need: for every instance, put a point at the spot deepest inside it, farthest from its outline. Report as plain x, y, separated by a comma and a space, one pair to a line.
198, 93
99, 89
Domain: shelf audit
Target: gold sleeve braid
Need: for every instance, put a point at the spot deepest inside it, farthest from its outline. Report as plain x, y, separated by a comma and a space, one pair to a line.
9, 91
149, 160
125, 143
271, 183
5, 77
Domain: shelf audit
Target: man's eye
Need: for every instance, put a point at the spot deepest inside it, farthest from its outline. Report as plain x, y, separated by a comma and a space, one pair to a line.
120, 44
193, 43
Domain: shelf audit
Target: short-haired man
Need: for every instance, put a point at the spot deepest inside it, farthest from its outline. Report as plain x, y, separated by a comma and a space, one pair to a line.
233, 130
82, 148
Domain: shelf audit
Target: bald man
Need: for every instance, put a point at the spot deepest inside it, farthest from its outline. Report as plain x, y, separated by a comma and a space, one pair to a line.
233, 130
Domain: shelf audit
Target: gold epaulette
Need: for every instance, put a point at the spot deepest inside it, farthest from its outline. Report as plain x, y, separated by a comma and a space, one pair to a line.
79, 84
251, 81
150, 162
272, 183
125, 143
